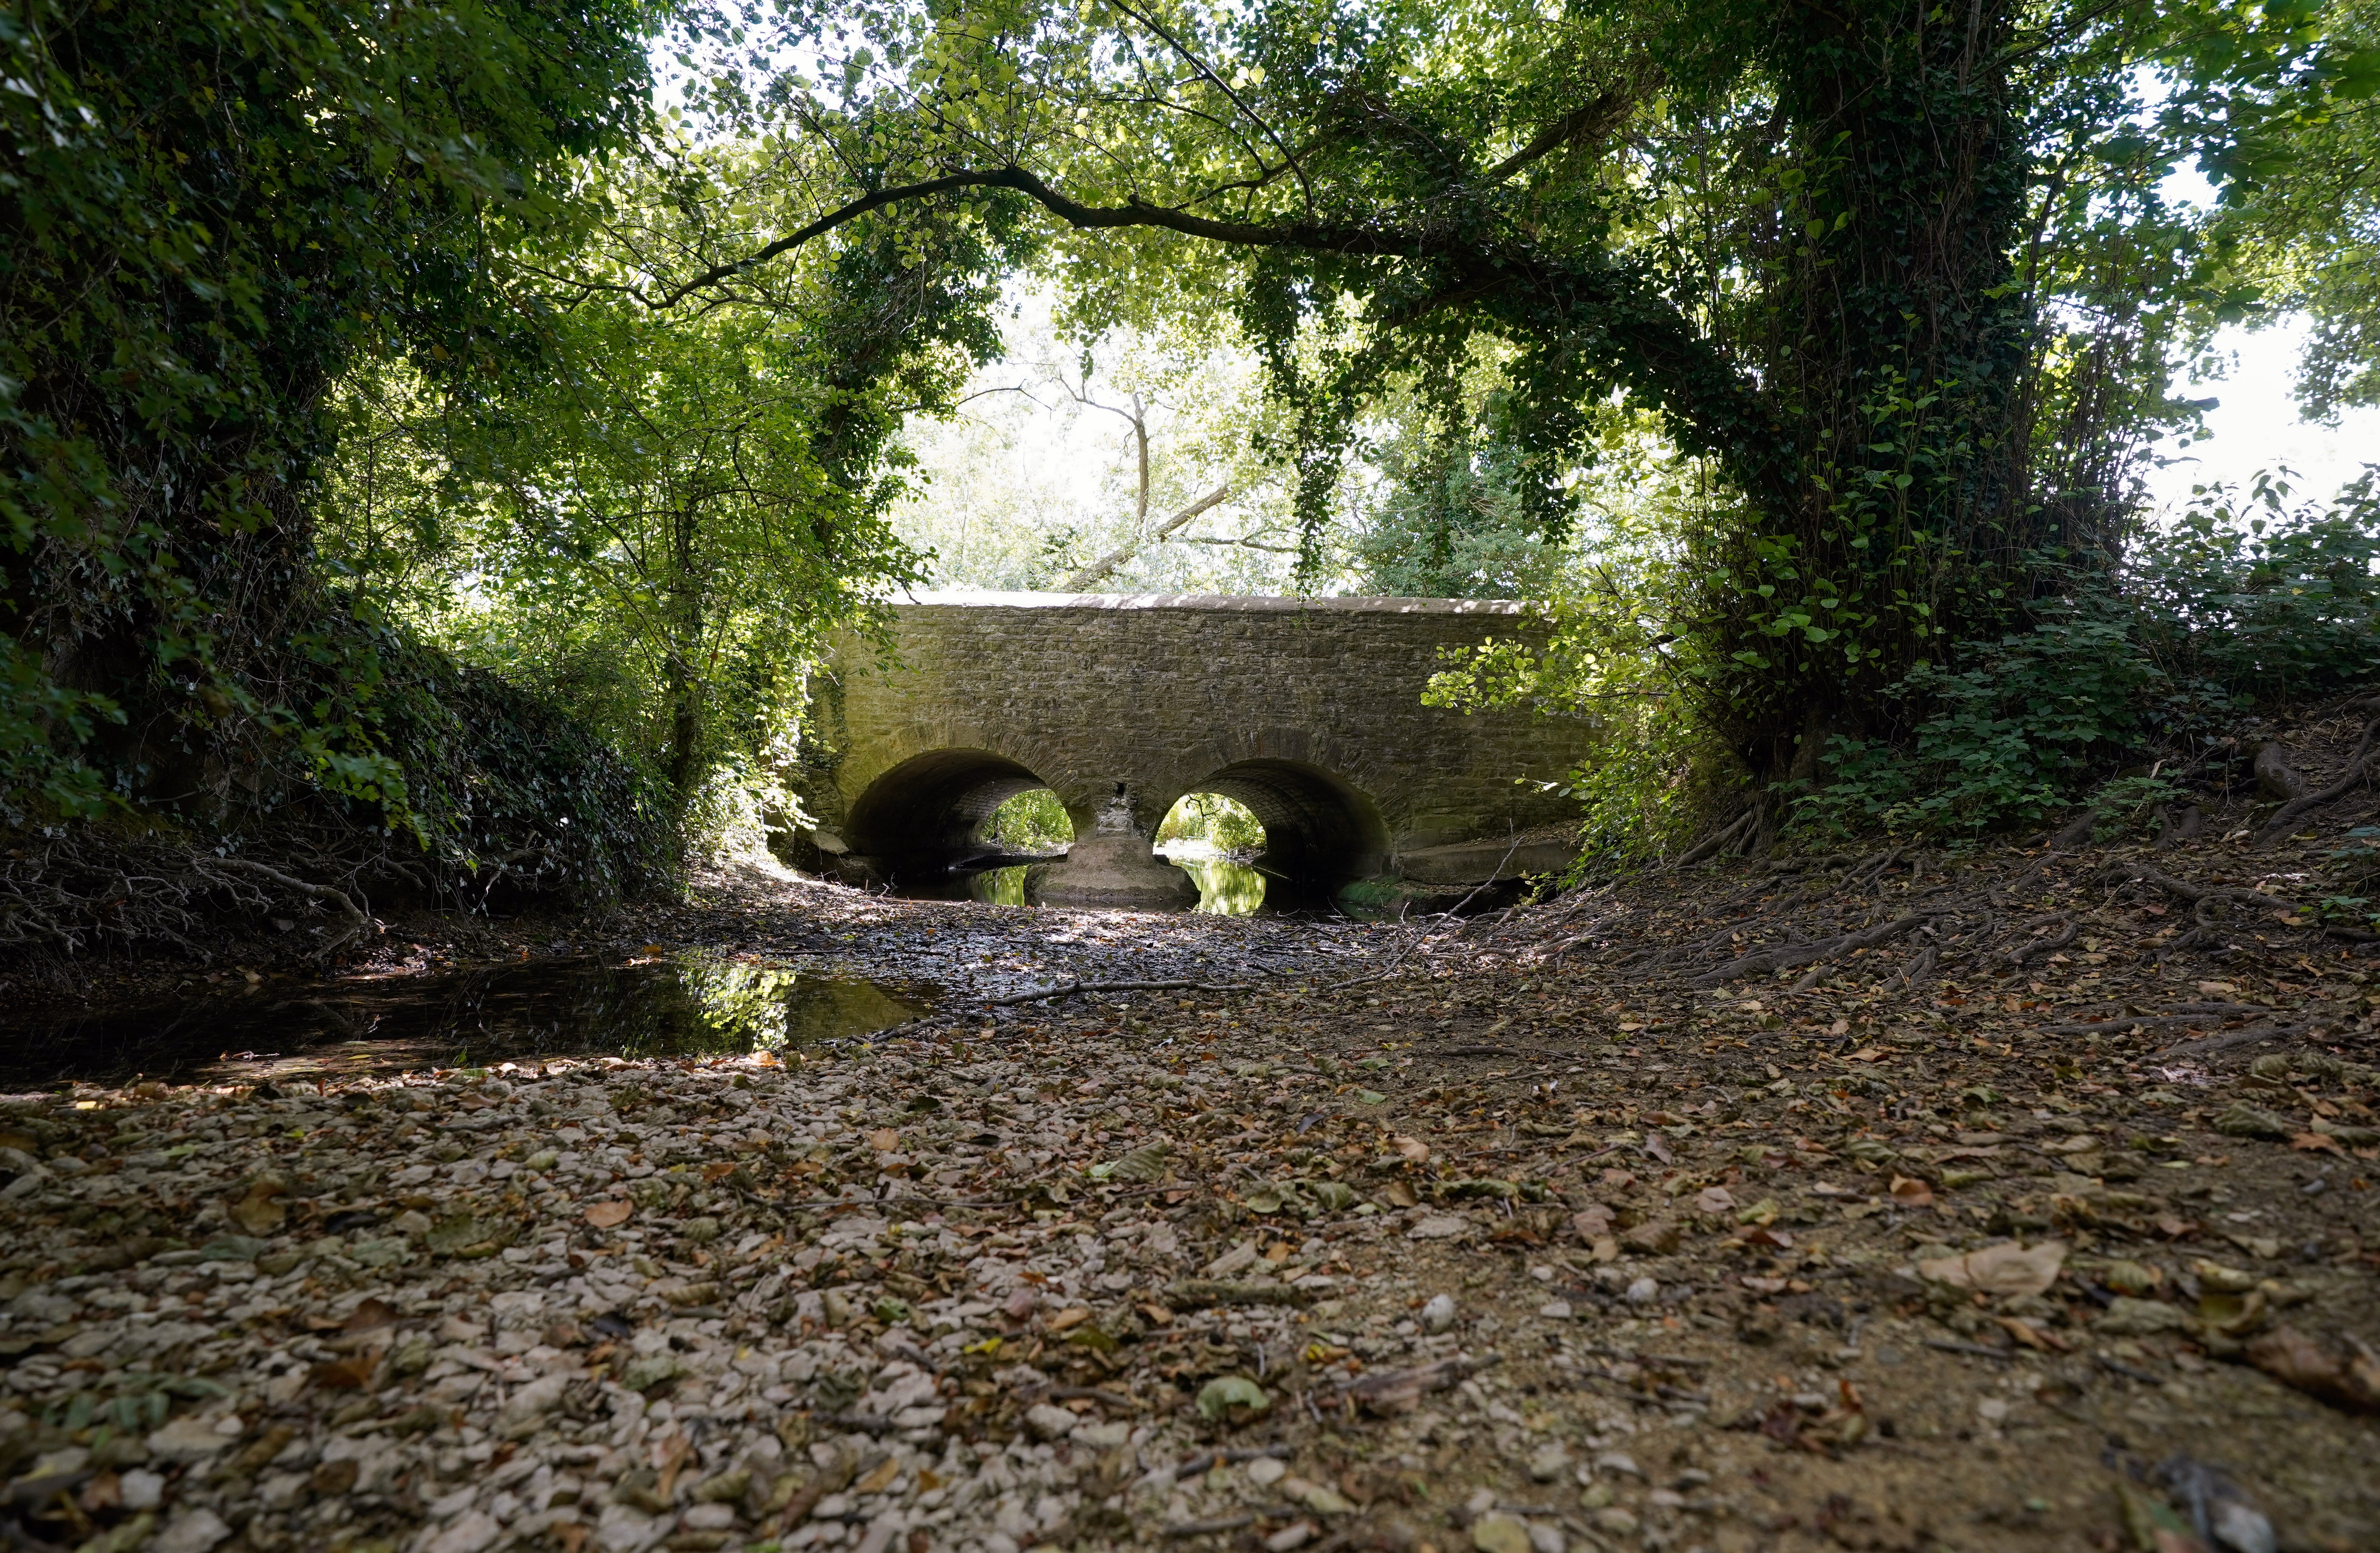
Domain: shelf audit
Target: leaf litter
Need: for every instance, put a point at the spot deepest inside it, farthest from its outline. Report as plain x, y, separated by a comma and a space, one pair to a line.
1972, 1263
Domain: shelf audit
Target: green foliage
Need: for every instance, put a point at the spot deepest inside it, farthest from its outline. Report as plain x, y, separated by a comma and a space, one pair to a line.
2004, 737
2240, 603
1453, 523
508, 796
2276, 602
209, 210
1211, 819
1908, 289
1033, 820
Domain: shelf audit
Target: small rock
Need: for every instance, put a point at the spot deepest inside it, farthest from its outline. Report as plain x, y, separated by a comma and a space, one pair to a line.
474, 1533
1643, 1292
185, 1440
1555, 1310
1549, 1463
1265, 1471
1655, 1238
1618, 1463
1547, 1537
1438, 1315
2137, 1318
141, 1489
1298, 1534
1618, 1520
1496, 1532
193, 1531
1048, 1421
1440, 1226
627, 1530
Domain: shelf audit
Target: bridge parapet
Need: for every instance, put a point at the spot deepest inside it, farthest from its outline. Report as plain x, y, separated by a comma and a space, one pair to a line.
1308, 710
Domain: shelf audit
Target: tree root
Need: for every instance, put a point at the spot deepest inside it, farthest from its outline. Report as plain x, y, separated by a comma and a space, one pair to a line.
2017, 957
1710, 845
1762, 962
358, 921
2290, 813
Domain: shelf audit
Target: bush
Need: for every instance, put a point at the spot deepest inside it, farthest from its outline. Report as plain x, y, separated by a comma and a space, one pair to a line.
2244, 603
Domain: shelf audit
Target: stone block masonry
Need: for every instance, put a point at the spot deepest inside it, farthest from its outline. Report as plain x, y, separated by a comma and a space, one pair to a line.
1308, 710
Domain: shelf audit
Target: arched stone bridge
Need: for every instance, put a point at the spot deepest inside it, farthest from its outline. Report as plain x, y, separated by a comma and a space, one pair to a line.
1308, 710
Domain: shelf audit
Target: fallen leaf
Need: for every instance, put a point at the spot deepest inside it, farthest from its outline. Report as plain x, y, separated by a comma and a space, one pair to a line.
2350, 1380
2033, 1336
1413, 1148
345, 1375
369, 1313
609, 1214
1218, 1397
884, 1140
1714, 1200
1910, 1192
1066, 1318
259, 1213
881, 1479
2310, 1142
2002, 1269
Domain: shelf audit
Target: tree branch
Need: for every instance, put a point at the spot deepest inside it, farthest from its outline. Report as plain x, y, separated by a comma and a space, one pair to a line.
1558, 134
1077, 580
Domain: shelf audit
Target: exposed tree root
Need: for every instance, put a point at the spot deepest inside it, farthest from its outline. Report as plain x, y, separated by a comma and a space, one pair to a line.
2290, 813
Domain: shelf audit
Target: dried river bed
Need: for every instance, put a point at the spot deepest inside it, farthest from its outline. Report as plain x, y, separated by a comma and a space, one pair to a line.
1480, 1258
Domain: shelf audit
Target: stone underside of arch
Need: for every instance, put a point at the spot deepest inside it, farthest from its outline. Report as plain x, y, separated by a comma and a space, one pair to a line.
1309, 713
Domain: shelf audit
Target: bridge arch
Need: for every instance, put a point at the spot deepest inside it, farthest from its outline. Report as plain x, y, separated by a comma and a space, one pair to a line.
1320, 831
920, 820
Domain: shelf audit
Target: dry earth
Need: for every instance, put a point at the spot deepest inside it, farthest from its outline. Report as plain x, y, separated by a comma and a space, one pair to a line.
2016, 1201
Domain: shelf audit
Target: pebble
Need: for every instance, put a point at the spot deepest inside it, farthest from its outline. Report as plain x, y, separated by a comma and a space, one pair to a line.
1265, 1471
1496, 1532
1439, 1314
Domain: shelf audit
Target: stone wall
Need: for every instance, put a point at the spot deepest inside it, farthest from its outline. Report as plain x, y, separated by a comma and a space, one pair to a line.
1308, 710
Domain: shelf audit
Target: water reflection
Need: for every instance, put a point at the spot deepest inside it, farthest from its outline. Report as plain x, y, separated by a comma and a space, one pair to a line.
695, 1004
1227, 887
999, 887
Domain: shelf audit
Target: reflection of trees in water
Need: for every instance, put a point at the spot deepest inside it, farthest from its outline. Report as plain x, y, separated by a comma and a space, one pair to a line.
1226, 888
999, 887
699, 1003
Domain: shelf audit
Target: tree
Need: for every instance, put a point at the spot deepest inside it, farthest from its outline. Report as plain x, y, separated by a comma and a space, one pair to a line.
209, 209
1828, 246
672, 504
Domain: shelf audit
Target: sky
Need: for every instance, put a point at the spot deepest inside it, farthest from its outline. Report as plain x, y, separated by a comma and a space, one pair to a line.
2256, 426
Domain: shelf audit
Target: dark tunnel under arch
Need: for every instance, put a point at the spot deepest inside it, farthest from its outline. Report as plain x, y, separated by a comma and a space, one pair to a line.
921, 819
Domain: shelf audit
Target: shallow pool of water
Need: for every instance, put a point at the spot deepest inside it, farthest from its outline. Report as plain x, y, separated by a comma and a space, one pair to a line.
1227, 887
690, 1004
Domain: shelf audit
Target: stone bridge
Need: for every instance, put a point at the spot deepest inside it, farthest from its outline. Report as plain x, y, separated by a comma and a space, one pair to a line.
1308, 710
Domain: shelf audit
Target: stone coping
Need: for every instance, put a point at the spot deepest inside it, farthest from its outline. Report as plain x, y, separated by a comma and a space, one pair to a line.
981, 598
